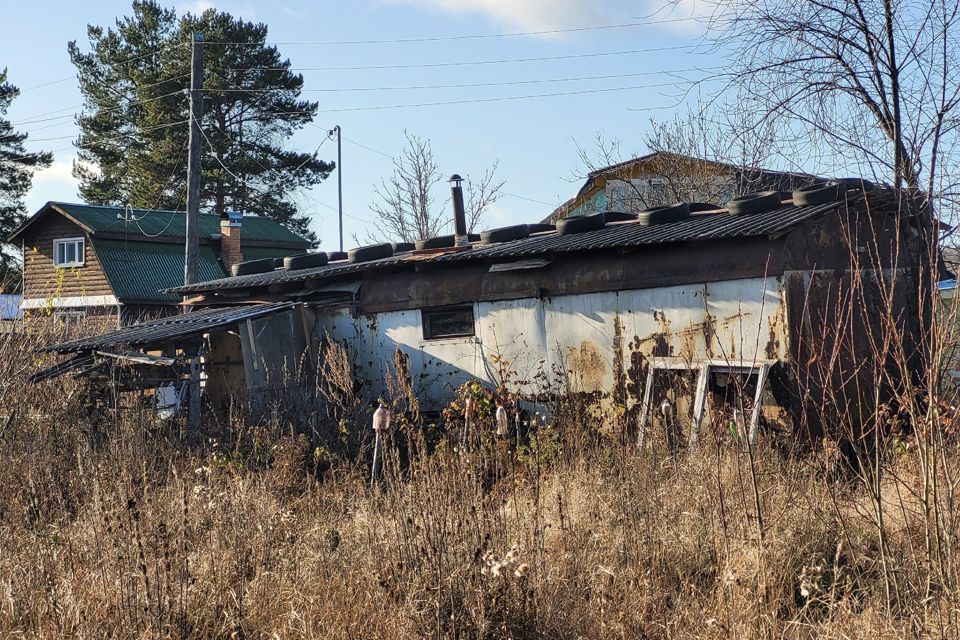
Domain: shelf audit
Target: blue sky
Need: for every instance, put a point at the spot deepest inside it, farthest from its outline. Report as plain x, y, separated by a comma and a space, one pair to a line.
533, 137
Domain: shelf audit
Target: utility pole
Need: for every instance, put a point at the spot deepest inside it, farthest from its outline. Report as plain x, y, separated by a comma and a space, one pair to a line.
336, 130
192, 231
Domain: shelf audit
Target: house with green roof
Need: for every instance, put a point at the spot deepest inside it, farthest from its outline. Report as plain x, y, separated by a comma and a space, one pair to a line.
116, 262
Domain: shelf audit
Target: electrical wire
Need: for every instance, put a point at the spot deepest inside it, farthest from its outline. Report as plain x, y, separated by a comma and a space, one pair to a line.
481, 36
39, 117
504, 83
387, 155
109, 64
129, 135
428, 65
495, 99
74, 115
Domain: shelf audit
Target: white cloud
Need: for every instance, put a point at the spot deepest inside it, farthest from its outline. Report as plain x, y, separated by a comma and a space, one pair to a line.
685, 16
295, 12
58, 174
535, 15
56, 182
196, 7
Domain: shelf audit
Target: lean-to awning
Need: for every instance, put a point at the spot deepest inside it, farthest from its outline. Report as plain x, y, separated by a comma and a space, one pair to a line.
159, 332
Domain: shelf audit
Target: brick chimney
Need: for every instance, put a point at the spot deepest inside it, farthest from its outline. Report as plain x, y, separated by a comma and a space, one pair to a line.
230, 252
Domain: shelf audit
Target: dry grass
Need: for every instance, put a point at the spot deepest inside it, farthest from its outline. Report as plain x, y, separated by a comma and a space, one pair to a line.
112, 527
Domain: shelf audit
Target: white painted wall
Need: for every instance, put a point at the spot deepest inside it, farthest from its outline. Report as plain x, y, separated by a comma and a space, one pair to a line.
570, 339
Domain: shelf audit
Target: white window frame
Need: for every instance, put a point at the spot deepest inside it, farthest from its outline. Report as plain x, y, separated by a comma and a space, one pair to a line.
760, 368
79, 247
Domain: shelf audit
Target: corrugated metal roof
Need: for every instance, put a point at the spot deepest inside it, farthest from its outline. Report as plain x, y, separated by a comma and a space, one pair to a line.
697, 228
142, 271
151, 224
159, 331
256, 253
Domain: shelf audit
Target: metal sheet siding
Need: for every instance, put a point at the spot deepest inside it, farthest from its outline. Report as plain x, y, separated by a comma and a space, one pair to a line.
581, 340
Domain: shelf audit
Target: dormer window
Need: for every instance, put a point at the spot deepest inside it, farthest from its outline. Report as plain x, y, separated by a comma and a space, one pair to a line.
68, 252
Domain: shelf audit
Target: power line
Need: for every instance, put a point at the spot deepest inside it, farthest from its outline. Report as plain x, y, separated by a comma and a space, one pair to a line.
39, 117
482, 36
73, 115
504, 83
495, 99
472, 62
513, 195
109, 64
129, 135
387, 155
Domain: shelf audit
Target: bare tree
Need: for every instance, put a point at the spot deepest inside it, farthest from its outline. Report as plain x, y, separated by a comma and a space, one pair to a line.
408, 208
871, 82
698, 157
482, 194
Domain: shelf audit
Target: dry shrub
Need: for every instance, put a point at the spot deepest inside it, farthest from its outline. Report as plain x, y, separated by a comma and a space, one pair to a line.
113, 527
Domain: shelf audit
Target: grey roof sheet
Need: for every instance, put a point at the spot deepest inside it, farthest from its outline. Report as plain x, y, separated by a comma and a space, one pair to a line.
697, 228
171, 327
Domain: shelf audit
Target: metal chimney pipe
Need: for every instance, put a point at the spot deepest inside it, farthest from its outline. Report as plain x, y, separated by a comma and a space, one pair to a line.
459, 212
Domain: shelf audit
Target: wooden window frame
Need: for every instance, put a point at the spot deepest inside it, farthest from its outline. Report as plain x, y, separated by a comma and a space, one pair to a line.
80, 245
427, 324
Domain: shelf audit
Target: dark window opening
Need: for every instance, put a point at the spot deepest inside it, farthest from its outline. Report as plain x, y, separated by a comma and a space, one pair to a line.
448, 322
671, 409
730, 401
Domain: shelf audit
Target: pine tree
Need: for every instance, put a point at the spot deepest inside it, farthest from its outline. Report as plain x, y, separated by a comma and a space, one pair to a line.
134, 128
16, 173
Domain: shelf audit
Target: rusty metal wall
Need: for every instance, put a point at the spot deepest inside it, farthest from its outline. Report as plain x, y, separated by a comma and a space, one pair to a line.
583, 343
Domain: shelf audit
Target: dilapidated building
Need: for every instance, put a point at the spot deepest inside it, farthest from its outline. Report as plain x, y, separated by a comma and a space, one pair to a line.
761, 314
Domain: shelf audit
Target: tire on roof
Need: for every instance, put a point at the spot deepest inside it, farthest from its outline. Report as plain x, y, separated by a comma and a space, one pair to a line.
753, 203
664, 214
436, 242
857, 183
370, 252
505, 234
263, 265
305, 261
540, 227
580, 224
400, 247
337, 255
819, 194
697, 207
619, 216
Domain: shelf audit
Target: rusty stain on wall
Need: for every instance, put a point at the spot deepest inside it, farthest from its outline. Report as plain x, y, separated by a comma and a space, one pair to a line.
587, 366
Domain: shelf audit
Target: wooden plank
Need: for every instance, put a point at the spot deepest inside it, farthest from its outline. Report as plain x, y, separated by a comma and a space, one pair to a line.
757, 401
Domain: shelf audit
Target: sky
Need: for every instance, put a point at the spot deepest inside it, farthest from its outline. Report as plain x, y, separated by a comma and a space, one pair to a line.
555, 74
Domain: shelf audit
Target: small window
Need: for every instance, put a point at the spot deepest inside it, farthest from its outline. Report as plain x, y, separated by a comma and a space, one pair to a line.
68, 252
448, 322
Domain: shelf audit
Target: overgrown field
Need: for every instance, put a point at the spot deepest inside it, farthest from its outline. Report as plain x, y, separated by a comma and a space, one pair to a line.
114, 526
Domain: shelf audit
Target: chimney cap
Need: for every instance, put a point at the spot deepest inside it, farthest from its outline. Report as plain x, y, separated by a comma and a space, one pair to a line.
456, 178
233, 217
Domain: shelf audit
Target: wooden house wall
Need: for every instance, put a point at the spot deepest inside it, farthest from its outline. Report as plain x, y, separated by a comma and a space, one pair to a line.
43, 280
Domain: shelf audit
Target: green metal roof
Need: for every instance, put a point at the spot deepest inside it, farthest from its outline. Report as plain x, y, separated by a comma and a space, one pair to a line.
139, 271
145, 224
255, 253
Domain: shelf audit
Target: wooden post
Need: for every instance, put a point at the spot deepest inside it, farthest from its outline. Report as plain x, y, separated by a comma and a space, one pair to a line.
192, 223
375, 472
195, 145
